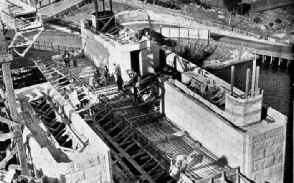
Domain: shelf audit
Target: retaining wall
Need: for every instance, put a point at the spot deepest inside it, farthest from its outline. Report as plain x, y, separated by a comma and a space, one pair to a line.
92, 164
191, 22
204, 125
259, 149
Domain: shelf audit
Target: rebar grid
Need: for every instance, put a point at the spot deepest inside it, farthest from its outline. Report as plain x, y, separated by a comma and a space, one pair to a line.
202, 162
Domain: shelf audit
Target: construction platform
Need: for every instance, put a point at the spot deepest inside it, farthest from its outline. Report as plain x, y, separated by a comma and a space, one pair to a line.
142, 141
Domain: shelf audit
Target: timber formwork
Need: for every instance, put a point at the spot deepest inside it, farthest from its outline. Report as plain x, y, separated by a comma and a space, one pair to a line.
147, 140
142, 141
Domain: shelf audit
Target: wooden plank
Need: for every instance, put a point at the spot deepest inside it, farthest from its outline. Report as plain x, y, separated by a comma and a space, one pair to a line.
7, 121
129, 158
10, 135
123, 165
6, 58
8, 157
169, 137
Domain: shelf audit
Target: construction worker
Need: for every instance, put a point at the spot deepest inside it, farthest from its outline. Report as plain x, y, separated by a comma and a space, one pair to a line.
74, 58
66, 57
136, 82
178, 167
117, 74
105, 75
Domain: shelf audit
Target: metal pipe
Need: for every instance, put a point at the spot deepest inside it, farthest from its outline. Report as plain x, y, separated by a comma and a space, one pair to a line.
247, 83
96, 15
253, 77
110, 5
232, 79
257, 79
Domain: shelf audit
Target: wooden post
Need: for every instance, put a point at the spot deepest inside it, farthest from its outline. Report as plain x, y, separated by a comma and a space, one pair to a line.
210, 180
271, 60
238, 175
160, 29
247, 83
103, 4
256, 82
280, 60
253, 77
111, 5
232, 80
7, 79
288, 63
223, 178
208, 36
96, 15
263, 59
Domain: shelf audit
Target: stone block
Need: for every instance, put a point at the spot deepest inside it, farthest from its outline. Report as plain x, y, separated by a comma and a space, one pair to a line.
279, 148
269, 161
275, 132
75, 177
268, 171
278, 158
258, 165
257, 175
278, 167
278, 177
258, 138
94, 171
258, 154
270, 151
280, 138
263, 144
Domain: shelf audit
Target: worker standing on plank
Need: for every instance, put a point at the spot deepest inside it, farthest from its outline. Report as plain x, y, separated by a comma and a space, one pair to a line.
136, 83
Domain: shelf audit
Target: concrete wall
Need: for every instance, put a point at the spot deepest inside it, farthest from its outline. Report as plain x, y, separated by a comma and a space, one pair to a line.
214, 132
92, 164
258, 149
266, 148
104, 51
266, 152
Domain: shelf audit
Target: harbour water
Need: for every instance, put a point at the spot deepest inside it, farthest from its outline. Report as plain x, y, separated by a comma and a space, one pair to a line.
275, 82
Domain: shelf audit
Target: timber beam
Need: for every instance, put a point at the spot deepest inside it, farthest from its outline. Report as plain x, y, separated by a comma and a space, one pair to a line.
129, 158
10, 135
169, 137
